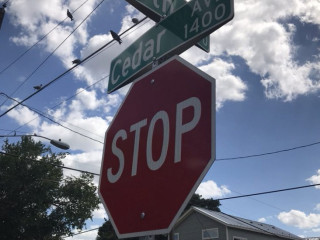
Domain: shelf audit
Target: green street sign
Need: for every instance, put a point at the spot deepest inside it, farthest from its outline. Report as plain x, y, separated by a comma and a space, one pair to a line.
172, 36
158, 9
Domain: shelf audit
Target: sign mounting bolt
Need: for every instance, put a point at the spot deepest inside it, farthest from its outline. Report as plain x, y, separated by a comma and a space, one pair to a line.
142, 215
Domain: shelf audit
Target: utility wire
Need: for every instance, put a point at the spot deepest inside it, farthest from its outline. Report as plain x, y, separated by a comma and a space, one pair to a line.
64, 73
43, 37
268, 153
50, 119
240, 196
11, 131
79, 92
269, 192
45, 60
82, 232
218, 159
98, 52
68, 99
88, 59
52, 164
219, 199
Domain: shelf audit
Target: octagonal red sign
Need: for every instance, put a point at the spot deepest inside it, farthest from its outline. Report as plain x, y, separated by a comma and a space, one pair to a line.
158, 148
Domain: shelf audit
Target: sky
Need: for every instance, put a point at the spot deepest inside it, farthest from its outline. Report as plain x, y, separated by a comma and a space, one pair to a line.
266, 63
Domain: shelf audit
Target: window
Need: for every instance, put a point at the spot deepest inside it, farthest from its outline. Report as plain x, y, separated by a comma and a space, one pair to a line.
239, 238
176, 236
210, 233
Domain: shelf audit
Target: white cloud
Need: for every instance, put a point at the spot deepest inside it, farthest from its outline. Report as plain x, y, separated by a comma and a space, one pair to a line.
317, 208
210, 189
229, 87
315, 179
92, 127
262, 220
87, 161
23, 115
36, 22
100, 213
299, 219
86, 235
87, 100
256, 35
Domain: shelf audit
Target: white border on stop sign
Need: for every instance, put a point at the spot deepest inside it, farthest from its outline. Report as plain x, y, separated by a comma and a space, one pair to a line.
210, 162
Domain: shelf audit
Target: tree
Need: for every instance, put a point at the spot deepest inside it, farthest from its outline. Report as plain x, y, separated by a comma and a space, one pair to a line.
36, 202
197, 201
106, 231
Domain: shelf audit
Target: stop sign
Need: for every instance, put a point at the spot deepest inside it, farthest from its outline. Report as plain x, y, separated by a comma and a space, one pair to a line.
158, 148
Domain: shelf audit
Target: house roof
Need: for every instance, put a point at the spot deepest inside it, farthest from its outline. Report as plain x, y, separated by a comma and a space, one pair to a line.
241, 223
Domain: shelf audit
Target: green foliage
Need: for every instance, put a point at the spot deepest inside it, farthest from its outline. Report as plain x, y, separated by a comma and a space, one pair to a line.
197, 201
106, 231
35, 201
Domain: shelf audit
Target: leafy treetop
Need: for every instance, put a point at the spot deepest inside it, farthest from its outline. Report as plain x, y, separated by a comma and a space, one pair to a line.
36, 202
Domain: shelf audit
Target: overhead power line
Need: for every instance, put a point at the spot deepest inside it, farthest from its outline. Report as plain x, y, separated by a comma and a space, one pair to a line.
268, 153
240, 196
66, 72
44, 61
88, 59
43, 37
82, 232
52, 108
79, 92
52, 120
52, 164
220, 199
269, 192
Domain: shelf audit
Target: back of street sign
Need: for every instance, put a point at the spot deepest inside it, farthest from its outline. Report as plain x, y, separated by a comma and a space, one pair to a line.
175, 34
157, 10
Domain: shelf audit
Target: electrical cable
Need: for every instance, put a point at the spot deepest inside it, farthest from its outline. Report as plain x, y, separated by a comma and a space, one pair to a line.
82, 232
268, 153
50, 119
218, 159
45, 60
43, 37
269, 192
71, 97
247, 195
90, 57
52, 164
11, 131
68, 99
64, 73
124, 35
219, 199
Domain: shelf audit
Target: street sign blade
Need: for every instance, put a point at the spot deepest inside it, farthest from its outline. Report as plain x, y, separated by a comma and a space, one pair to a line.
157, 10
173, 35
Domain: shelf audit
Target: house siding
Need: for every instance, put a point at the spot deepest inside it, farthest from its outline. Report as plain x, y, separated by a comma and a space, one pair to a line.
191, 227
234, 232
